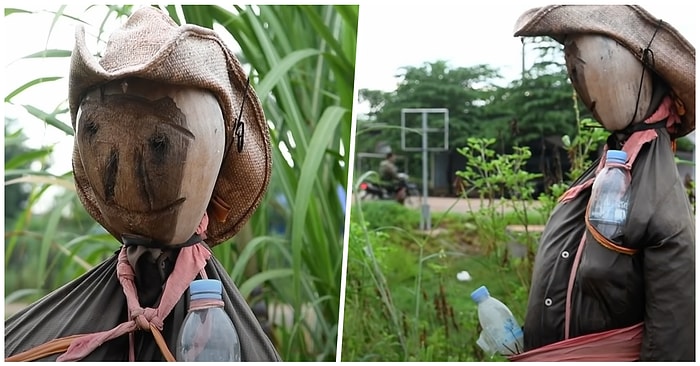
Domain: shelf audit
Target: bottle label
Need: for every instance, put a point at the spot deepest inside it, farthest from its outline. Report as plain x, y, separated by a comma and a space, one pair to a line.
620, 213
512, 337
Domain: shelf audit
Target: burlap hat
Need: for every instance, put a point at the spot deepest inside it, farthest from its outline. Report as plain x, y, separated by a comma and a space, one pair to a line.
151, 46
633, 27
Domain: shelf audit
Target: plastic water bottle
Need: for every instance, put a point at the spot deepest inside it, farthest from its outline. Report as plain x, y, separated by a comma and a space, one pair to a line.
207, 334
610, 196
501, 332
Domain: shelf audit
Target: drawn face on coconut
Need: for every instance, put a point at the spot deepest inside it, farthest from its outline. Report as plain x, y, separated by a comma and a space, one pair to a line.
151, 153
608, 78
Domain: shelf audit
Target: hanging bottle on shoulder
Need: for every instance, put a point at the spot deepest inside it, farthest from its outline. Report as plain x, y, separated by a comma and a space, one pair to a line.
207, 333
609, 202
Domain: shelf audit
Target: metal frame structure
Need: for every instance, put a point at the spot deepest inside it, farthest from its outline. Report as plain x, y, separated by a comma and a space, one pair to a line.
425, 223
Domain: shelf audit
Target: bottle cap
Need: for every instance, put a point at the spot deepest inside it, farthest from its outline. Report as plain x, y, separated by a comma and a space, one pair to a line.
480, 294
616, 156
205, 289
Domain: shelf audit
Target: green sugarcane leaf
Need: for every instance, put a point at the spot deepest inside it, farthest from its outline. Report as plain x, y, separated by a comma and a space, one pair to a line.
50, 119
29, 84
49, 53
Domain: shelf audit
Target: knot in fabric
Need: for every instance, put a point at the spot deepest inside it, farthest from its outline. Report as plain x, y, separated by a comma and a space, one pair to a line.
124, 270
145, 317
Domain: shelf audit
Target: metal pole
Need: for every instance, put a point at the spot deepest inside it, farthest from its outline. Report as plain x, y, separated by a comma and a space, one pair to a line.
425, 208
522, 54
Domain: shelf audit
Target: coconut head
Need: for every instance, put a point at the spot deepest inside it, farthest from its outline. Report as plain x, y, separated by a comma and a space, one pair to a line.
608, 78
151, 153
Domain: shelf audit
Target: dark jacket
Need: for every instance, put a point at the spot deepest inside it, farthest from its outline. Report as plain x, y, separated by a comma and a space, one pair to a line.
95, 302
656, 285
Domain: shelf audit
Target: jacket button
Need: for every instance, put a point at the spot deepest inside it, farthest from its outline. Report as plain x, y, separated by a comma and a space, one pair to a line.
565, 254
548, 302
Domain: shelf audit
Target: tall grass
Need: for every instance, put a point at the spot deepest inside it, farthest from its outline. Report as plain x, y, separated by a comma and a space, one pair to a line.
301, 61
403, 302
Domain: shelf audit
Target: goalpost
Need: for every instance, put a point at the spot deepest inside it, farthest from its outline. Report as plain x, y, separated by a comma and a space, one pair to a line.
426, 122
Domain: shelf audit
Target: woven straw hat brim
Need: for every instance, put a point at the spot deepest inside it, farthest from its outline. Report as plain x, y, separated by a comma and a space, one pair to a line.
152, 46
633, 27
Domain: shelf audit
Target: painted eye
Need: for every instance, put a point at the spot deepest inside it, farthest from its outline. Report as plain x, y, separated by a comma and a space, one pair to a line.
159, 145
89, 128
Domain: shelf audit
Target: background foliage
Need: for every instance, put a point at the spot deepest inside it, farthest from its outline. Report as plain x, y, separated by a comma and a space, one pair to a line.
531, 111
540, 110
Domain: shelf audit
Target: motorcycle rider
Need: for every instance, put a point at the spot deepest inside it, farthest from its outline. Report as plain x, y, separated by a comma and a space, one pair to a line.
389, 174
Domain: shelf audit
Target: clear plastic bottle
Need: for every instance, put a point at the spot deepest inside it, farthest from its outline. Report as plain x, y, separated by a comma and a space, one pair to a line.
501, 332
207, 334
610, 196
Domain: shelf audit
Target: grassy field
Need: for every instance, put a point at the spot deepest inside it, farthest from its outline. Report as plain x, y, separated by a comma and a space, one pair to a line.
403, 299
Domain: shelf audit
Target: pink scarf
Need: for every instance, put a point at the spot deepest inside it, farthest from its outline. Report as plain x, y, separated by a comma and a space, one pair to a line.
633, 144
621, 344
190, 262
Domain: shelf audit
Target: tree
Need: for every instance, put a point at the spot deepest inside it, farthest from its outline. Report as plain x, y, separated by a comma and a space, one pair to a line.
547, 108
535, 111
462, 90
544, 98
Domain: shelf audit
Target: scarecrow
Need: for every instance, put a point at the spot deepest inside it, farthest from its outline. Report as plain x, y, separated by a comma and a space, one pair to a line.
171, 156
591, 298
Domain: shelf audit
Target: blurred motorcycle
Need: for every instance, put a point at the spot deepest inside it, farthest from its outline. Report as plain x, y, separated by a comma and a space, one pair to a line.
400, 191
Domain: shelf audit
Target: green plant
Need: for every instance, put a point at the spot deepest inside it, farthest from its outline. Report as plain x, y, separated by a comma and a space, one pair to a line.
685, 144
402, 301
378, 214
304, 76
548, 200
690, 191
496, 175
589, 135
432, 308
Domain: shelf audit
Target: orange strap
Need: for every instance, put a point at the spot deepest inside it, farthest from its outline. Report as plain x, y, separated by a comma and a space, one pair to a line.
162, 345
60, 345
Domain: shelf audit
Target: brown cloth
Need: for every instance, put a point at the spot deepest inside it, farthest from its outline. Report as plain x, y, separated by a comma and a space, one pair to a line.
96, 302
656, 285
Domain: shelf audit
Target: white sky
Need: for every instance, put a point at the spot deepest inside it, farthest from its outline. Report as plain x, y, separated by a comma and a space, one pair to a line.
391, 35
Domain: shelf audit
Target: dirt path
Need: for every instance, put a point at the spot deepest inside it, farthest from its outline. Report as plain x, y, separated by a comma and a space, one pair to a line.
457, 205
